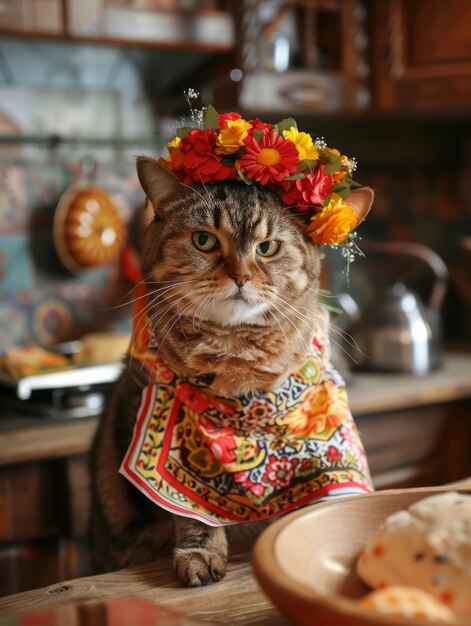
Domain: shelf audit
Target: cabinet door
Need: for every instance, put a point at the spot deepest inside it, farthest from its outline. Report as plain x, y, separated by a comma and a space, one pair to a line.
421, 54
31, 17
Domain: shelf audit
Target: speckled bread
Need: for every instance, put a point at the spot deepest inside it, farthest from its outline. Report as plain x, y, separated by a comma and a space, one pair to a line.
429, 547
89, 231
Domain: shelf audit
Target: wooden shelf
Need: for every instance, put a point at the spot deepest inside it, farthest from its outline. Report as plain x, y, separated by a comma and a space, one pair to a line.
128, 25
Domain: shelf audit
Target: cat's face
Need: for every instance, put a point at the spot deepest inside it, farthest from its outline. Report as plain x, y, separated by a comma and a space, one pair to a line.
227, 253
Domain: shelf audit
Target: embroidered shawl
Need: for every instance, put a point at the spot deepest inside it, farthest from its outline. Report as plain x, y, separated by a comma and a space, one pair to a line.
226, 460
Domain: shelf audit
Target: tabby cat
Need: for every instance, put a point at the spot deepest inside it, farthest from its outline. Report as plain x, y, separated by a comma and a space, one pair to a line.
235, 284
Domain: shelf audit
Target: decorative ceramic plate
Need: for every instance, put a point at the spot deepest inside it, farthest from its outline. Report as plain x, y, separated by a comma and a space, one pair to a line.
88, 229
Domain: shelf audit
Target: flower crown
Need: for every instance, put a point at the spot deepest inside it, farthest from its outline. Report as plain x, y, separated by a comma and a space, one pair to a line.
307, 175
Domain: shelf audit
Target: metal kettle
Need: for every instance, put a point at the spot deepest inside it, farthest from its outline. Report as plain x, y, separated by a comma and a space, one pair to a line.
398, 332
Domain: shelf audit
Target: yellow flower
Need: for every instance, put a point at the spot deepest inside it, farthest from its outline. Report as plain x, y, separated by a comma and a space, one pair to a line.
303, 142
333, 223
174, 144
232, 136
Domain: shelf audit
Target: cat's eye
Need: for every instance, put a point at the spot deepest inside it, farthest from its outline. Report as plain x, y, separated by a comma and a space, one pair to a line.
204, 241
268, 248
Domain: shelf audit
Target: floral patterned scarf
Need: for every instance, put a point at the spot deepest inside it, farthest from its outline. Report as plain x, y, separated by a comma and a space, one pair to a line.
226, 460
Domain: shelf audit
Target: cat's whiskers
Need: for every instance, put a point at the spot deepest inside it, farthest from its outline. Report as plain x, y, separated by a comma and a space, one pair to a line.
158, 294
315, 319
205, 200
129, 293
204, 307
331, 324
160, 313
206, 190
277, 308
175, 317
290, 356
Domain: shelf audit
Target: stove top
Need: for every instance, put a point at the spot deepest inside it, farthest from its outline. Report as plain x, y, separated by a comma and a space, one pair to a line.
78, 392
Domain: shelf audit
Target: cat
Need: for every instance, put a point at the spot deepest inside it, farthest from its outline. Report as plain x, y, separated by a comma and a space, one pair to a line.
235, 281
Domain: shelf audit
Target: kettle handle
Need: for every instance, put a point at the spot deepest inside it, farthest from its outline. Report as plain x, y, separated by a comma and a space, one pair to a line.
427, 255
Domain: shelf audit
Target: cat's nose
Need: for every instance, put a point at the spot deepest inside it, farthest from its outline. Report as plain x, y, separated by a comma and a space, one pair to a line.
241, 279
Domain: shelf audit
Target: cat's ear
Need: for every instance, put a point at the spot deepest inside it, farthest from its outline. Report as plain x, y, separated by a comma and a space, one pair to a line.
361, 200
158, 183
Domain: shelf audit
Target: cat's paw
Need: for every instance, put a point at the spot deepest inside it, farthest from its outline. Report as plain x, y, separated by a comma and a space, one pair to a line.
199, 566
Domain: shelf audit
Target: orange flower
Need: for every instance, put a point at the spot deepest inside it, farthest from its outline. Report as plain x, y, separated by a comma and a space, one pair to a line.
231, 136
339, 176
324, 408
333, 224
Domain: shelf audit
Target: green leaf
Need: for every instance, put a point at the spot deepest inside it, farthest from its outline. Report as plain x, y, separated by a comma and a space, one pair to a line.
285, 124
211, 118
296, 176
258, 134
184, 131
326, 201
331, 162
247, 181
342, 190
354, 185
307, 165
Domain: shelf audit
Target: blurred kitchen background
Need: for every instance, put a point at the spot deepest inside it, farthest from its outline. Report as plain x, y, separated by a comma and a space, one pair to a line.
86, 85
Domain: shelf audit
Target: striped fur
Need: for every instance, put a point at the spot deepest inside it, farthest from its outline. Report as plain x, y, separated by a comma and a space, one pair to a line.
242, 337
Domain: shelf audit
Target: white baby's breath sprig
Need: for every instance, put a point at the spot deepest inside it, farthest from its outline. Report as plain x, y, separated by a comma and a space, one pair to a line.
196, 115
190, 94
320, 143
349, 164
349, 250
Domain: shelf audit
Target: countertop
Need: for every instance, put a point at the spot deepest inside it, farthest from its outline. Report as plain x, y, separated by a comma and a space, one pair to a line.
236, 601
24, 438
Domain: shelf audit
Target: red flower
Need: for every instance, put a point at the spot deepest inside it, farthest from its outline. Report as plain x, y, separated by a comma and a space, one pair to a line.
199, 141
227, 116
280, 471
200, 163
243, 479
176, 164
310, 191
306, 465
333, 455
192, 397
162, 372
223, 449
257, 124
271, 159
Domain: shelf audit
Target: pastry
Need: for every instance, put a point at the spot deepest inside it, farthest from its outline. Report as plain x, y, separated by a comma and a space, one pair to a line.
429, 547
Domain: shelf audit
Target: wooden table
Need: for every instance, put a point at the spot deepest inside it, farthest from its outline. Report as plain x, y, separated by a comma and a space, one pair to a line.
236, 601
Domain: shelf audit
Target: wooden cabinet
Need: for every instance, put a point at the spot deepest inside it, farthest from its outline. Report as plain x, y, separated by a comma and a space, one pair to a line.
197, 25
421, 54
418, 447
42, 17
44, 509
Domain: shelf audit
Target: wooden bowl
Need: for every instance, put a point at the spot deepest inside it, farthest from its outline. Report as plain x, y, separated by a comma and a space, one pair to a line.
305, 562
